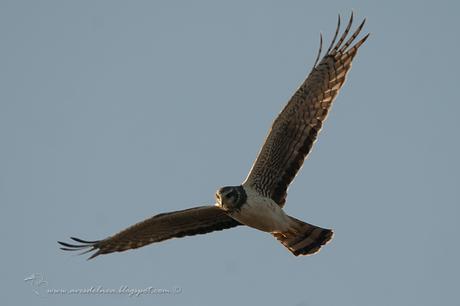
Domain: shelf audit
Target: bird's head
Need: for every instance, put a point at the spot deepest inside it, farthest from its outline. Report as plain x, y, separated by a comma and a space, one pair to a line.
230, 198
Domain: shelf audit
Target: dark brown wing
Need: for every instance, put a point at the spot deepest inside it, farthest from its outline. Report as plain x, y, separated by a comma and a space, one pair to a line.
294, 131
188, 222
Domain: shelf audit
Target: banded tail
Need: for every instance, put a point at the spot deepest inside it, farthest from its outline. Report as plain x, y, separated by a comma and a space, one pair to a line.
304, 238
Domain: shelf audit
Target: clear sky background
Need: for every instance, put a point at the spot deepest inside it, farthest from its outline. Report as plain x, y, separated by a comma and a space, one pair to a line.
113, 111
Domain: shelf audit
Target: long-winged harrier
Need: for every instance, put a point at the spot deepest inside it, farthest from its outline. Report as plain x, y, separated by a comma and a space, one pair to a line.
258, 202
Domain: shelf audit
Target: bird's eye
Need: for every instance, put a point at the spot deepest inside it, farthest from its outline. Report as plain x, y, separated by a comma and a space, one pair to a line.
229, 195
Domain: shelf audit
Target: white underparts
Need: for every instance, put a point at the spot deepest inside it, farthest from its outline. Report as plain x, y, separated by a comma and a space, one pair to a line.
262, 213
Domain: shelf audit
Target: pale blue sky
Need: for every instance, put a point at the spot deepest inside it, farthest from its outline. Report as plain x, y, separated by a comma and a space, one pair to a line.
112, 111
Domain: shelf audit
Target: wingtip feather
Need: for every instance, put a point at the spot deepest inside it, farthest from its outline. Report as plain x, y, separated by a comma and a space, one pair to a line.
85, 244
84, 241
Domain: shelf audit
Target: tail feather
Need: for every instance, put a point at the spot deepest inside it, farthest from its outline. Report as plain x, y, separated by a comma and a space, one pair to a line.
303, 238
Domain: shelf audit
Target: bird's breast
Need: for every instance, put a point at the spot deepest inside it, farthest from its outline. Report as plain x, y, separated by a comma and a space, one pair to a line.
263, 214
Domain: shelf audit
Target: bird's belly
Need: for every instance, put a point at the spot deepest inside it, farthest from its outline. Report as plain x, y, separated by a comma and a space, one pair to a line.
262, 214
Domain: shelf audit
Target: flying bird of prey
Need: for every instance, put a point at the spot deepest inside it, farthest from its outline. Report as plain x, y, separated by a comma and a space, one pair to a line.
258, 202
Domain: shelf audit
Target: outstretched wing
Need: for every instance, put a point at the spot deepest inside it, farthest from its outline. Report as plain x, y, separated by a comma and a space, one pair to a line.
296, 128
188, 222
